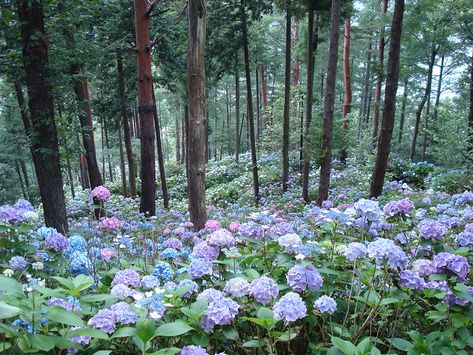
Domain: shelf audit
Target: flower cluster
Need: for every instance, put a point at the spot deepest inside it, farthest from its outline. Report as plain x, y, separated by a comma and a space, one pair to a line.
301, 277
263, 289
101, 193
290, 307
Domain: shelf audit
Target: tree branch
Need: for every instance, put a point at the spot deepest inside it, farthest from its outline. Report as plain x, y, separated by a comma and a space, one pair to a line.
151, 7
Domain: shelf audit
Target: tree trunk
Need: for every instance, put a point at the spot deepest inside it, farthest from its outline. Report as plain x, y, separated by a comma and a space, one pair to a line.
178, 138
470, 112
380, 69
109, 157
295, 40
329, 101
183, 135
312, 42
237, 109
69, 174
347, 83
159, 147
426, 130
227, 106
389, 109
122, 159
403, 112
287, 101
197, 119
258, 118
264, 93
439, 92
146, 108
20, 178
249, 100
44, 143
422, 103
84, 172
126, 125
102, 143
22, 163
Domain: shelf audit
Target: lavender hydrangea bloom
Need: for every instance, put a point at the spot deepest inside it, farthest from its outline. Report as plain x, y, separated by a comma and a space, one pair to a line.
123, 313
290, 242
221, 238
325, 304
193, 350
368, 209
300, 277
199, 268
23, 204
451, 263
68, 306
104, 320
149, 281
411, 279
121, 291
385, 250
56, 241
127, 277
110, 223
210, 295
423, 267
404, 206
432, 229
290, 307
203, 250
251, 230
17, 263
237, 287
281, 229
154, 306
219, 312
464, 239
101, 193
263, 289
355, 251
193, 287
173, 243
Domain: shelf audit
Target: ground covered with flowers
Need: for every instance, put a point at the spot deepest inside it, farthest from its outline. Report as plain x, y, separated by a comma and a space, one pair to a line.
356, 276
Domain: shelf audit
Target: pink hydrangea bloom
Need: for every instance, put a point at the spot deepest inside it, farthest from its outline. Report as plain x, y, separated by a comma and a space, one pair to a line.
110, 224
212, 224
106, 254
234, 226
166, 231
101, 193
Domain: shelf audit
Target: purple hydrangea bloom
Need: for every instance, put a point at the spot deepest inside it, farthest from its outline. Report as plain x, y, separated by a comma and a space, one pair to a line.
127, 277
210, 295
219, 312
68, 306
432, 229
121, 291
237, 287
355, 251
149, 281
57, 242
281, 229
193, 350
123, 313
110, 223
104, 320
251, 230
221, 238
173, 243
23, 204
385, 250
300, 277
290, 307
154, 306
327, 204
203, 250
290, 242
263, 289
464, 239
404, 206
17, 263
423, 267
447, 262
199, 268
193, 287
100, 193
368, 209
325, 304
9, 214
411, 279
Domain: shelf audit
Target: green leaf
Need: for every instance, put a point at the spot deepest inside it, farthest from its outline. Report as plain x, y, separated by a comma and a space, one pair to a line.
42, 342
364, 345
89, 332
286, 336
252, 274
173, 329
168, 351
81, 282
7, 311
230, 333
9, 285
401, 344
103, 352
145, 329
389, 300
265, 313
181, 290
98, 298
124, 333
60, 315
253, 344
69, 284
345, 346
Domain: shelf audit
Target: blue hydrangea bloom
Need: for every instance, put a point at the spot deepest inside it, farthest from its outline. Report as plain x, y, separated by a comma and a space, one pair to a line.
355, 251
219, 312
325, 304
237, 287
123, 313
104, 320
290, 307
18, 263
199, 268
411, 279
301, 277
163, 271
263, 289
384, 250
193, 287
127, 277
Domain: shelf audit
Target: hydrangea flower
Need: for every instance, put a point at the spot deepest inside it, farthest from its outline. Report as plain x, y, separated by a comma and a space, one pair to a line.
465, 238
80, 263
290, 242
219, 312
110, 223
263, 289
290, 307
301, 277
234, 226
199, 268
56, 241
451, 263
203, 250
281, 229
127, 277
404, 206
68, 306
163, 271
251, 230
149, 282
432, 229
173, 243
154, 306
101, 193
210, 295
104, 320
106, 254
212, 224
123, 313
423, 267
169, 253
221, 238
385, 250
193, 287
368, 209
411, 279
18, 263
355, 251
121, 291
325, 304
237, 287
193, 350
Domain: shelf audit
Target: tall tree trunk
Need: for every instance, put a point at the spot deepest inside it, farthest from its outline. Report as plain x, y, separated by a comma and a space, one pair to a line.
126, 125
146, 107
109, 157
439, 89
237, 110
70, 177
422, 103
183, 135
227, 106
287, 101
178, 138
44, 143
251, 120
258, 116
347, 83
389, 109
366, 83
470, 112
197, 119
20, 178
295, 40
312, 42
426, 130
84, 172
22, 163
102, 143
380, 75
264, 94
403, 111
159, 147
329, 100
122, 159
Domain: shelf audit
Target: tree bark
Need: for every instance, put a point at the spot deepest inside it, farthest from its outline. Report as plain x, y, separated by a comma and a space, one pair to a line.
312, 42
102, 142
389, 109
287, 101
178, 138
109, 157
20, 178
329, 100
264, 94
44, 142
347, 83
258, 116
237, 110
122, 159
197, 118
126, 125
251, 120
426, 129
295, 40
470, 112
146, 108
379, 81
183, 135
422, 103
403, 111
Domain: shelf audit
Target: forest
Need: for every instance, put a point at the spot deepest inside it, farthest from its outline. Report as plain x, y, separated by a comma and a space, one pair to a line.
236, 177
